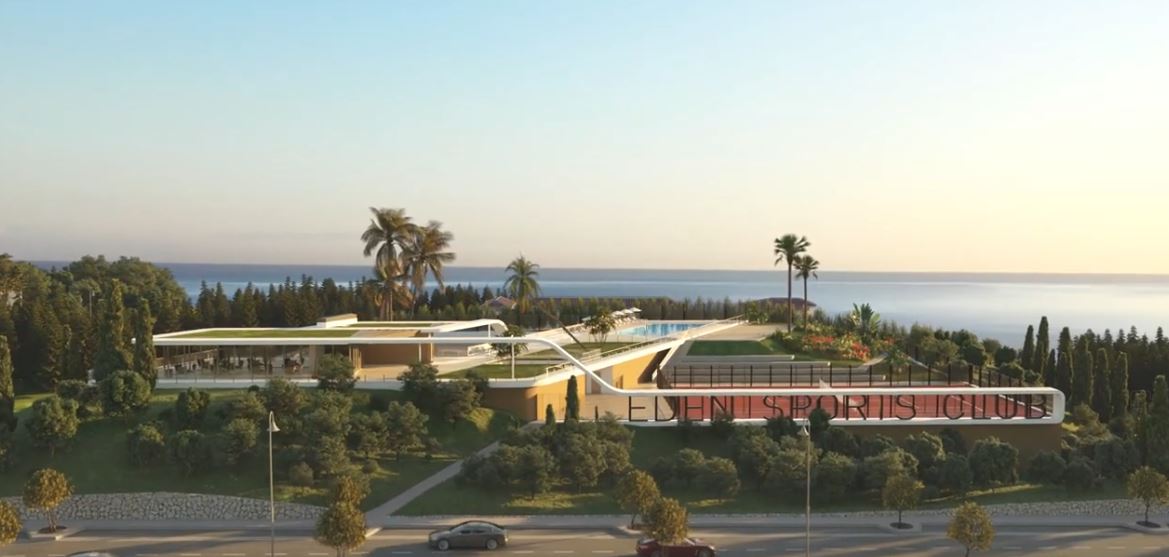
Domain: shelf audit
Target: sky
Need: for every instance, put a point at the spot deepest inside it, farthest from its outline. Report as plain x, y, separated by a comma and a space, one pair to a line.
897, 136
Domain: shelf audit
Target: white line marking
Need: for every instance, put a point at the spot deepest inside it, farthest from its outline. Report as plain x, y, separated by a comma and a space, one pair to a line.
562, 551
319, 554
602, 551
232, 554
1081, 547
191, 554
1117, 547
523, 551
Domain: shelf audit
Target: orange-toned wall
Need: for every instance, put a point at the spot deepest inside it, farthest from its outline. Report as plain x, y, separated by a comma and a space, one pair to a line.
625, 374
528, 403
1029, 439
382, 354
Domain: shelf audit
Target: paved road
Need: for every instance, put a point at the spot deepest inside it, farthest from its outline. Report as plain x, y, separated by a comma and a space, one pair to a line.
578, 543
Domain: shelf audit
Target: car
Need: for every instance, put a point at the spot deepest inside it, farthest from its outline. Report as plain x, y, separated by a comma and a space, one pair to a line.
476, 534
689, 547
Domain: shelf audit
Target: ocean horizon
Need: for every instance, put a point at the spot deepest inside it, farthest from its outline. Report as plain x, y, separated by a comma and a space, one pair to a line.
994, 305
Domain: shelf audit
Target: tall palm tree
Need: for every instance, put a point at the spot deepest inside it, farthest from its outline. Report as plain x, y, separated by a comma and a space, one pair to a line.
806, 267
425, 254
788, 248
865, 320
523, 284
388, 231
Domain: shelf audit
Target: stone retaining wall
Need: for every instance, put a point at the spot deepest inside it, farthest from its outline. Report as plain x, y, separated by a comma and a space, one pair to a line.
168, 506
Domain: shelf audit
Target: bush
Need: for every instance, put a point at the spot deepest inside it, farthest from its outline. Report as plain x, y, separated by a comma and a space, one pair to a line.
955, 474
1080, 474
722, 425
301, 474
329, 457
379, 401
752, 452
787, 471
240, 438
719, 478
1046, 467
952, 441
994, 462
834, 476
420, 385
284, 398
191, 451
88, 397
1117, 458
779, 427
335, 373
819, 422
581, 461
875, 445
876, 470
191, 408
371, 466
839, 440
53, 423
124, 393
927, 448
146, 446
248, 407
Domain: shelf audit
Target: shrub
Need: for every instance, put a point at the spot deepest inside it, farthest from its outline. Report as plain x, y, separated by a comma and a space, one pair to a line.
927, 448
1046, 467
582, 461
124, 393
819, 422
834, 476
752, 452
685, 467
1080, 473
45, 490
248, 407
955, 474
875, 445
994, 462
349, 489
636, 493
335, 373
329, 456
719, 478
1117, 458
420, 385
301, 474
284, 398
722, 425
240, 438
88, 397
952, 441
191, 451
779, 427
371, 466
839, 440
53, 423
146, 446
406, 426
876, 470
10, 525
191, 408
787, 471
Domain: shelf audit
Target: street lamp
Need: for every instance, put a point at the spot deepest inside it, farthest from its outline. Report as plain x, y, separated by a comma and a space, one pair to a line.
271, 487
808, 497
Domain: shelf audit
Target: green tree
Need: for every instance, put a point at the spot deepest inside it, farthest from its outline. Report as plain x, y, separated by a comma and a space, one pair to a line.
1157, 427
901, 492
349, 489
459, 399
1027, 355
146, 445
10, 524
601, 324
522, 284
582, 460
787, 249
388, 232
1150, 487
284, 398
834, 476
191, 451
876, 470
124, 393
329, 456
549, 416
667, 521
335, 373
1063, 374
53, 423
144, 362
7, 389
994, 462
536, 468
1120, 394
407, 427
112, 354
420, 385
425, 253
191, 408
971, 527
806, 267
341, 527
1102, 384
1047, 467
956, 475
927, 448
572, 401
1083, 375
636, 493
240, 439
1042, 346
44, 491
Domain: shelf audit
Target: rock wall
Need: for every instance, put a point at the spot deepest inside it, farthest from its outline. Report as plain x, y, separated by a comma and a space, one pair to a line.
168, 506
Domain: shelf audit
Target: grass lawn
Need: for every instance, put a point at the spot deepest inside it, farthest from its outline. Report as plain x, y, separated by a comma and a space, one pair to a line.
503, 371
271, 333
392, 325
652, 443
765, 347
574, 349
97, 461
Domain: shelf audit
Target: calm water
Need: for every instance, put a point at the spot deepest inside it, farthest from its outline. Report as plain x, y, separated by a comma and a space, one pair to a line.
995, 305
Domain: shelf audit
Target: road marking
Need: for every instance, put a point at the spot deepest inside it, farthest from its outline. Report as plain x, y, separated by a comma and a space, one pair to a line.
232, 554
602, 551
1081, 547
327, 555
191, 555
1116, 547
523, 551
562, 551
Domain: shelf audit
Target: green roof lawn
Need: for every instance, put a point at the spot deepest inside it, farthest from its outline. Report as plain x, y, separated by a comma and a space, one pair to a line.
391, 325
503, 371
270, 333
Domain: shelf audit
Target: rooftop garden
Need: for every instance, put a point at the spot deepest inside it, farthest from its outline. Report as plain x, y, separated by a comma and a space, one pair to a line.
393, 325
270, 333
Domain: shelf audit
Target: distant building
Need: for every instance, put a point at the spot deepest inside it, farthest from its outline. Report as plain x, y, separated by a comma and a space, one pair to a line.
499, 304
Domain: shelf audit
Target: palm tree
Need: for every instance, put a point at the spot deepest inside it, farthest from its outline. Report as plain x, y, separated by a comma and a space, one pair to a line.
388, 231
523, 284
425, 254
788, 248
865, 320
806, 267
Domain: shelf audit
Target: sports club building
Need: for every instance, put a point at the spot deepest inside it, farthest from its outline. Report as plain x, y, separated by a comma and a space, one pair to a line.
650, 379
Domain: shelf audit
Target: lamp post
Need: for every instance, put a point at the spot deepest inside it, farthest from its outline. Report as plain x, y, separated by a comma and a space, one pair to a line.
807, 435
271, 487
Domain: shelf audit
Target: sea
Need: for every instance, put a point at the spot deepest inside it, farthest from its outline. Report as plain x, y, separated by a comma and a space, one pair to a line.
994, 305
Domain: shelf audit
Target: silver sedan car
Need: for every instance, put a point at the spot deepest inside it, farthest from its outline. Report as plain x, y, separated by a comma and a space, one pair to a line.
475, 534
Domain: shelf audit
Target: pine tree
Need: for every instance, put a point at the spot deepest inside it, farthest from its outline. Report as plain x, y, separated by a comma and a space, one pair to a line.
549, 416
1064, 371
112, 354
1047, 369
1082, 374
1140, 420
7, 388
1027, 356
1102, 386
144, 357
1157, 427
221, 307
1119, 388
1042, 347
572, 401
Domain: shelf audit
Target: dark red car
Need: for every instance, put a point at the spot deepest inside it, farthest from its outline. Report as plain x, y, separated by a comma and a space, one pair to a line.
689, 547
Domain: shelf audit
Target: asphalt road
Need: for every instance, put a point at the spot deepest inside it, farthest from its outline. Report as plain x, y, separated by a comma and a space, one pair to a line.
747, 542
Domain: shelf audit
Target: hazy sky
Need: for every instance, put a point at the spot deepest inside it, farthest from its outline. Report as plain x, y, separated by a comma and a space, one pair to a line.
949, 136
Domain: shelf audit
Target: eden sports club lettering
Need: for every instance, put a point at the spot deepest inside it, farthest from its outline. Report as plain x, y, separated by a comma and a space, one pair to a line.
862, 407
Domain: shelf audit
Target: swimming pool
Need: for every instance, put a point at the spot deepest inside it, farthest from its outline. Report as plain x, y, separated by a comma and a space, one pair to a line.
658, 329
